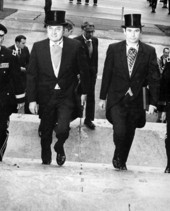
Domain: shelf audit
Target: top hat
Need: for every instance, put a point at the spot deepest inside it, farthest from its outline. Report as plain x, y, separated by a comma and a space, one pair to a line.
55, 17
132, 21
88, 27
3, 28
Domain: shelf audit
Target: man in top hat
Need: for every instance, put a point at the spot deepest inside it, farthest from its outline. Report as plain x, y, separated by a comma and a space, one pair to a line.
90, 46
130, 66
51, 83
11, 90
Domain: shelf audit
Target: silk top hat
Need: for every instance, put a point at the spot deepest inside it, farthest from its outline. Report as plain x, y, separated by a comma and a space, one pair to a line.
88, 27
3, 28
55, 17
132, 21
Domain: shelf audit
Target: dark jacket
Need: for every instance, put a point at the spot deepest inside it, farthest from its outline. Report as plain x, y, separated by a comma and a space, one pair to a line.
116, 80
166, 82
11, 88
41, 79
24, 56
93, 61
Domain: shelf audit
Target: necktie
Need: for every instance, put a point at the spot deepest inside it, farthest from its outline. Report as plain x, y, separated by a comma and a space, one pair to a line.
90, 47
19, 52
56, 52
132, 52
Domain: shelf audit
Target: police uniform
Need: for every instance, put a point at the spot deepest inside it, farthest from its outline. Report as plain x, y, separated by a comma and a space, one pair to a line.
11, 90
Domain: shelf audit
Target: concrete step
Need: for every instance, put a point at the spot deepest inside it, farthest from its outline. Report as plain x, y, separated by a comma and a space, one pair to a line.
85, 145
25, 185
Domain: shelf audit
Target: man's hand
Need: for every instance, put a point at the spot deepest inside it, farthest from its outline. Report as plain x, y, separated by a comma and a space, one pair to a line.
23, 69
151, 109
102, 104
33, 107
83, 99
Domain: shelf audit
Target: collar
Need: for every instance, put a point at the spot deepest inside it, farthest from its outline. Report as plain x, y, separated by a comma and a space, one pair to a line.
17, 49
136, 46
59, 43
86, 39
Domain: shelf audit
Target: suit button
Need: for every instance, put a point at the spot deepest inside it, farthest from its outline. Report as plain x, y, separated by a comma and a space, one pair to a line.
7, 93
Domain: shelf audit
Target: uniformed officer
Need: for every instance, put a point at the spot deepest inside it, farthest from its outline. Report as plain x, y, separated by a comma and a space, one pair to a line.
11, 89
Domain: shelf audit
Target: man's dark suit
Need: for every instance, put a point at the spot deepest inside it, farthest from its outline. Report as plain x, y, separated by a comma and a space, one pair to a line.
23, 60
126, 112
55, 104
93, 68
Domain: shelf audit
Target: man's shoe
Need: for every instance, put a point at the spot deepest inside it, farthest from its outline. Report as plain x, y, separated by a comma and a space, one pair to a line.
167, 170
86, 3
117, 164
89, 124
61, 157
164, 7
95, 4
123, 167
153, 11
46, 162
78, 2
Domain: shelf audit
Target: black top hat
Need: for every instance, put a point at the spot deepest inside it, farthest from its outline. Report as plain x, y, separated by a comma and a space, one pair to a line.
55, 17
3, 28
132, 21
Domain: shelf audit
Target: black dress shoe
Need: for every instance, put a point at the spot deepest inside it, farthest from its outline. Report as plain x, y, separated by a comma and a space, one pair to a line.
117, 164
123, 167
46, 162
89, 124
167, 170
61, 157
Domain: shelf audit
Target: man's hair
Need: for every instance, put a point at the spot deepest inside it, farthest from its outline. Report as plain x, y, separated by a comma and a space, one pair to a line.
165, 49
19, 38
69, 25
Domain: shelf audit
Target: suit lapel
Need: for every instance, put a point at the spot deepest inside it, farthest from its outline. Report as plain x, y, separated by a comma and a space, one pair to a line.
63, 56
47, 55
123, 57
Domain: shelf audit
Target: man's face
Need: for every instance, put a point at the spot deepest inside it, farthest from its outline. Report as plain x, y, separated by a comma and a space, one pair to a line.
88, 34
55, 33
1, 37
166, 53
67, 32
132, 34
21, 44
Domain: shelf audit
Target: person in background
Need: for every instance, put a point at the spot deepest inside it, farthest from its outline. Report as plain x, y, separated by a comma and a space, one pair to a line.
130, 66
12, 93
51, 83
161, 103
166, 114
90, 46
78, 1
153, 5
68, 29
23, 54
94, 2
